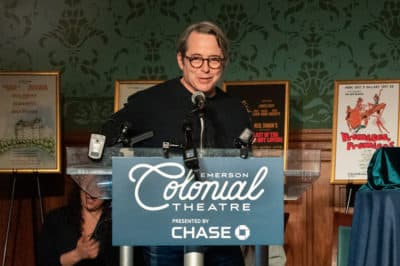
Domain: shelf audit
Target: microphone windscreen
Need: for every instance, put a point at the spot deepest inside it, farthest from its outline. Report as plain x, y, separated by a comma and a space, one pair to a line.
246, 136
198, 96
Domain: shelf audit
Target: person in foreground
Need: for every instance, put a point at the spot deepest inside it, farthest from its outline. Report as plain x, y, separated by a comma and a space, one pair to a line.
167, 108
78, 234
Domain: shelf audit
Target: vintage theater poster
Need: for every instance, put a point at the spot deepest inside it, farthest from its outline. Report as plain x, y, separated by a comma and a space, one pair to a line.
30, 122
366, 117
268, 105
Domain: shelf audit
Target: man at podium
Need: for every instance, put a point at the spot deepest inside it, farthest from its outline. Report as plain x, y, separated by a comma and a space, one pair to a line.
188, 111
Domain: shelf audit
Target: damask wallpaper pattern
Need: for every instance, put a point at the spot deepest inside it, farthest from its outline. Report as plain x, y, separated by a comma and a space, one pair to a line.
311, 43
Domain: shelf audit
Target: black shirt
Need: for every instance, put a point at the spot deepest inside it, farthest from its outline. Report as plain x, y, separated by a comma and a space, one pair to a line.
164, 109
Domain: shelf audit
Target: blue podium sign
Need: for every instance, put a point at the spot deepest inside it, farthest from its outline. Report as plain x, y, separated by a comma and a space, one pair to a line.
234, 201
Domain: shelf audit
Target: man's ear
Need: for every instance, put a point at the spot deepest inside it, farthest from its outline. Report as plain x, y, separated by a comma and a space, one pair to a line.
179, 59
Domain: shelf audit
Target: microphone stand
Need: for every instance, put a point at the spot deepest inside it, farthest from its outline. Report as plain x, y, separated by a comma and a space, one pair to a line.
190, 157
198, 100
194, 255
202, 122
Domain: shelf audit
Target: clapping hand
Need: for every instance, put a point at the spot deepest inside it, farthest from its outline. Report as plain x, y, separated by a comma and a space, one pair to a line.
87, 248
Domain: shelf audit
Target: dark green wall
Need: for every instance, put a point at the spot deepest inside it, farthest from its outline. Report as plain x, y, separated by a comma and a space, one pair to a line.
311, 43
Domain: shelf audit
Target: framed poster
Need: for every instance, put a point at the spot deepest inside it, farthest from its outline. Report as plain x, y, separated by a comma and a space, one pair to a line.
30, 122
365, 118
124, 88
268, 104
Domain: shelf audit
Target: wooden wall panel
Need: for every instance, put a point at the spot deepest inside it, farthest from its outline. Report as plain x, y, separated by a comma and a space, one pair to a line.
308, 236
296, 232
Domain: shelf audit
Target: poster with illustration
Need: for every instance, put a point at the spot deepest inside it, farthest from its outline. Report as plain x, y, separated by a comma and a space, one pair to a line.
30, 122
365, 118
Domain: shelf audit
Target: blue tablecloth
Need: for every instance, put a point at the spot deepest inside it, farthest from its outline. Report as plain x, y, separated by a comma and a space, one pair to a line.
375, 233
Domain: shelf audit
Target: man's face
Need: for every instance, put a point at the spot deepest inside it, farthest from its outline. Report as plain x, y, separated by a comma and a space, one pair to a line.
204, 78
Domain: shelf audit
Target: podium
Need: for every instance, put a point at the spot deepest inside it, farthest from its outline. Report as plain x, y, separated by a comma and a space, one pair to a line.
253, 190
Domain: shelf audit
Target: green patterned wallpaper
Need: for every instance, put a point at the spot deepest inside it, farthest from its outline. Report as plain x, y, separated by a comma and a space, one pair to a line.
311, 43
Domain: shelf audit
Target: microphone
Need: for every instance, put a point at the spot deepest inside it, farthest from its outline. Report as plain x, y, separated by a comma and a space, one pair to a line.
110, 137
96, 146
106, 137
126, 132
246, 136
124, 135
141, 137
243, 142
198, 99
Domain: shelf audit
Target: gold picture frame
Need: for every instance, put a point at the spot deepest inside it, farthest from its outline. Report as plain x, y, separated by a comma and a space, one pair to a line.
30, 122
268, 104
365, 118
125, 88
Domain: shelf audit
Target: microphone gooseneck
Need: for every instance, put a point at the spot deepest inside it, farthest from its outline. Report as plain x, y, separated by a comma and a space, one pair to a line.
198, 100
